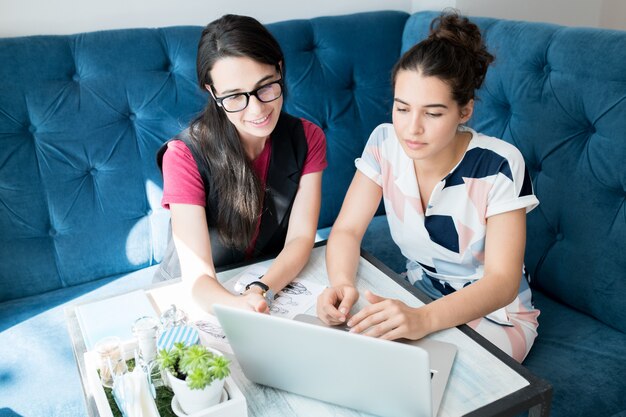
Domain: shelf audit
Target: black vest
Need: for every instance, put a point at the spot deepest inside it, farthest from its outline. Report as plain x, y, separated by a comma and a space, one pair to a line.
288, 153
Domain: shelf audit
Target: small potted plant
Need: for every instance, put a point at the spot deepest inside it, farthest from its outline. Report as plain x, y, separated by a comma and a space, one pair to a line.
196, 374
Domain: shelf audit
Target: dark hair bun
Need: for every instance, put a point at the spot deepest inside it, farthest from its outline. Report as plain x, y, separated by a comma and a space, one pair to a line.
453, 52
464, 35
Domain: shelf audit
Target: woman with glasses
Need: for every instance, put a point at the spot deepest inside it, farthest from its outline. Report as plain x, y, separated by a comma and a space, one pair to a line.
244, 180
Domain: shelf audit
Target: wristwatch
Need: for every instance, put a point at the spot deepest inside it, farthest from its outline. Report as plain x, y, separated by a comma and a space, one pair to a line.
267, 293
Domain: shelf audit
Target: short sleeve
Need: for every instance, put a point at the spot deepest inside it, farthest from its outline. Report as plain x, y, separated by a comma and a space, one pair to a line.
182, 183
316, 155
512, 188
370, 161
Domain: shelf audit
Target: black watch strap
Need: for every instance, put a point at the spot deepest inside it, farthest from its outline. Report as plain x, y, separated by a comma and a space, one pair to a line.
259, 284
267, 293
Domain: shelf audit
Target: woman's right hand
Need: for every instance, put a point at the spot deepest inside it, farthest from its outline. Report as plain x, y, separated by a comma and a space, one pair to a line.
334, 303
252, 301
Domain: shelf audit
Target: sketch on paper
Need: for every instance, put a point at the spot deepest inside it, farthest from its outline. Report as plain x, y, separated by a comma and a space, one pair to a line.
296, 298
285, 300
278, 310
212, 329
296, 288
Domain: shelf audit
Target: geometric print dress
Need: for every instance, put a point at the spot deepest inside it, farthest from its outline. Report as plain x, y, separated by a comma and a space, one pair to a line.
445, 245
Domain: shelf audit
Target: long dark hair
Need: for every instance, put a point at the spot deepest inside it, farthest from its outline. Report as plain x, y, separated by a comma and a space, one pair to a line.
454, 52
239, 191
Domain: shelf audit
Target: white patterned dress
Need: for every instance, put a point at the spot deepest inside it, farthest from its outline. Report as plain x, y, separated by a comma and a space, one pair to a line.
445, 246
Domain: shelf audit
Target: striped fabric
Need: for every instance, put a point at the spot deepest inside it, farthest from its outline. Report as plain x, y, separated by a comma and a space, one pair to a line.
186, 334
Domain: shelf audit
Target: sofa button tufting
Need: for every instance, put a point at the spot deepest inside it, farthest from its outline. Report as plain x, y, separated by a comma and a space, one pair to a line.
32, 129
547, 69
170, 68
76, 77
132, 116
92, 171
559, 236
52, 231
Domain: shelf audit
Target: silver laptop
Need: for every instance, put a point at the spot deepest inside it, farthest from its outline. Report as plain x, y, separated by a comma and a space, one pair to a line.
389, 379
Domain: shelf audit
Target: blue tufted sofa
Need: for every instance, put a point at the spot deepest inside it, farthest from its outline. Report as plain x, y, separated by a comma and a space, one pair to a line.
81, 117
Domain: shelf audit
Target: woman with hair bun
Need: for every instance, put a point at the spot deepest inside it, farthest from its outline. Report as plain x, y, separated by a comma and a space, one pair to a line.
244, 180
456, 203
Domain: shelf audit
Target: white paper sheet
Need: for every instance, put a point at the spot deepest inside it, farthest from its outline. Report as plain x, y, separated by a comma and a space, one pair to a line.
296, 298
112, 316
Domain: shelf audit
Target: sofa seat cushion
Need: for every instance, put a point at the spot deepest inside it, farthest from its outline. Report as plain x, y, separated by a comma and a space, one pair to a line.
582, 358
38, 374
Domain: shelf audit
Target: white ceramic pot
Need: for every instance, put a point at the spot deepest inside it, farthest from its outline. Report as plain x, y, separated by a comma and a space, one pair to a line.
194, 400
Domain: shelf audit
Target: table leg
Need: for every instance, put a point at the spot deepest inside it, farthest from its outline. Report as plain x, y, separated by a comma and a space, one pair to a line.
539, 410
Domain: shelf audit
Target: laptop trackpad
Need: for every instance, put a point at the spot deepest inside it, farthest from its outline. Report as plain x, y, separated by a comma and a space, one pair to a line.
307, 318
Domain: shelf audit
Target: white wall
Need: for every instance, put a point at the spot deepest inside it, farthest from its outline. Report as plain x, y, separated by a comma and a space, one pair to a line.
590, 13
34, 17
613, 14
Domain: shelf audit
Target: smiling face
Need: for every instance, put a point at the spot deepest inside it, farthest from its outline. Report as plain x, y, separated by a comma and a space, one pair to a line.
426, 118
240, 75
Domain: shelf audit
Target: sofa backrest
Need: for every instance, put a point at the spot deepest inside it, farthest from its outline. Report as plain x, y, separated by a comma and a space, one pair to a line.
559, 95
81, 118
338, 73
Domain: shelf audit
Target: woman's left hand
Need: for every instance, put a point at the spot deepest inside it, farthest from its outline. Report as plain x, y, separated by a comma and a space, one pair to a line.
389, 319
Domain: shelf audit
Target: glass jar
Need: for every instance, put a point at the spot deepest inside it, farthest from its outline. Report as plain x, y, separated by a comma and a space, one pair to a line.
111, 360
173, 317
145, 330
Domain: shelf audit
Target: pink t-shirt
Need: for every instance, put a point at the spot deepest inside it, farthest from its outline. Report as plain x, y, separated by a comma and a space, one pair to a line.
182, 183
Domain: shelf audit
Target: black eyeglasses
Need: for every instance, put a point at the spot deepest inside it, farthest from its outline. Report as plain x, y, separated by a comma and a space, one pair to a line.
239, 101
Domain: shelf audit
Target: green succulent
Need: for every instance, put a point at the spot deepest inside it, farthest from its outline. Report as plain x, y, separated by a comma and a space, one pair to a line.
219, 367
168, 359
197, 364
194, 358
